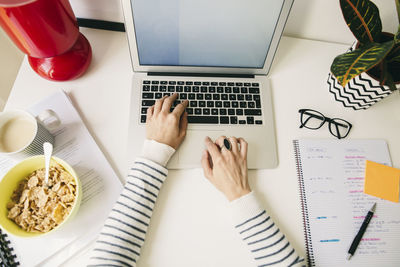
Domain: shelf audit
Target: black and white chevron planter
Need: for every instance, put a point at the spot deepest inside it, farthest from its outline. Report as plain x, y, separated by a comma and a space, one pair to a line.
360, 93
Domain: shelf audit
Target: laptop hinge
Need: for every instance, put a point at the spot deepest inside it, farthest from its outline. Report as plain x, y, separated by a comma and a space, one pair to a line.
218, 75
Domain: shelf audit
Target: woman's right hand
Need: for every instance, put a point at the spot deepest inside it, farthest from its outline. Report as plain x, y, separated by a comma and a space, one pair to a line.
165, 126
227, 169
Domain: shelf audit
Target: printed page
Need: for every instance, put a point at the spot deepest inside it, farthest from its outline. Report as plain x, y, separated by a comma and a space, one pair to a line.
101, 187
333, 173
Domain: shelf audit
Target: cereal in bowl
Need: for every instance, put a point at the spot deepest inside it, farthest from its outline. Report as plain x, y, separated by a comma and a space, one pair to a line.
37, 207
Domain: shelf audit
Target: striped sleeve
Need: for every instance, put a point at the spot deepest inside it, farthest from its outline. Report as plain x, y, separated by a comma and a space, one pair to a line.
267, 244
124, 231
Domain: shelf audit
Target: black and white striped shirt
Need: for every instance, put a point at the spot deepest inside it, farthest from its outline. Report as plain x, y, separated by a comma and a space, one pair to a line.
267, 244
124, 232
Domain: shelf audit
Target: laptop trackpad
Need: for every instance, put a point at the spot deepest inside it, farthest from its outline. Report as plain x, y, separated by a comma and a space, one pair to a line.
189, 154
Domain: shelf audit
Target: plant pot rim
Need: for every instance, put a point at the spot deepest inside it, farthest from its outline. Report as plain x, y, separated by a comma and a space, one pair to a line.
368, 72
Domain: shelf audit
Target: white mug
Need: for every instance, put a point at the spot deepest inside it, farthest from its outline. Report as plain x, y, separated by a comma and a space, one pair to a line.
22, 135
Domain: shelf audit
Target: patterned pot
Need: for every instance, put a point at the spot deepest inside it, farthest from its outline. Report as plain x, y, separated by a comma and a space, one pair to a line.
361, 92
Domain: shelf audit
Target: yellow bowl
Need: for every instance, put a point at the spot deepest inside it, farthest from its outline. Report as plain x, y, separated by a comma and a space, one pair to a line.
10, 182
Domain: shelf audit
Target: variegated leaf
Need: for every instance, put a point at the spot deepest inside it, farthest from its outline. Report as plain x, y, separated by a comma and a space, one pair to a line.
362, 17
347, 66
387, 78
394, 54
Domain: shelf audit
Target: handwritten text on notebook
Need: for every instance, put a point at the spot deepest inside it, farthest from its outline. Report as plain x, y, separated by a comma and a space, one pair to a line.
332, 174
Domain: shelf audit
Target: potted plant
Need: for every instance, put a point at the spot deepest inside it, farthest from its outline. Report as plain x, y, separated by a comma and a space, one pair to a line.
370, 70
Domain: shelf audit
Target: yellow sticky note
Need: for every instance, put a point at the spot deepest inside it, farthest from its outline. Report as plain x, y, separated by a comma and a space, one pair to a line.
382, 181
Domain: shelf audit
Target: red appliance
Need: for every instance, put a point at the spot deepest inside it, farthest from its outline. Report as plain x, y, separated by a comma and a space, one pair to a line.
47, 31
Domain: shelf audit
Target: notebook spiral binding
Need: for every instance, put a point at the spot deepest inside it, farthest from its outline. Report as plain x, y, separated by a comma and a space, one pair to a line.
307, 233
7, 257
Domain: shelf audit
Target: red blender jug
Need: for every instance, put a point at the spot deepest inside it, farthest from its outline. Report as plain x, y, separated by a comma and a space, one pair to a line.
47, 31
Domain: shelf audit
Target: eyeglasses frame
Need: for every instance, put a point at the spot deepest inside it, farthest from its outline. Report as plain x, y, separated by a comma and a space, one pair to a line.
325, 119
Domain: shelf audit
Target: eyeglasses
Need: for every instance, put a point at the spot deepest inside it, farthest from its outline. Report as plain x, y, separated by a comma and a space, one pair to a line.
313, 119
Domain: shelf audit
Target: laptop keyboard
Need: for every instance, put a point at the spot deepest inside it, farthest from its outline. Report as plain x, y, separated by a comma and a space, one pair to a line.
209, 102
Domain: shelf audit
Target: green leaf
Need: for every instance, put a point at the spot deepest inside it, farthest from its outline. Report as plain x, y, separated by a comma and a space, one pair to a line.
347, 66
394, 55
397, 36
387, 78
389, 81
398, 9
391, 85
362, 17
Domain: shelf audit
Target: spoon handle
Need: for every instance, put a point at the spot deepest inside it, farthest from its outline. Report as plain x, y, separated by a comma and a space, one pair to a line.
48, 150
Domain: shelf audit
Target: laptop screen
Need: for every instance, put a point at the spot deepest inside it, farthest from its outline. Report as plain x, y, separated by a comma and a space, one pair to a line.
211, 33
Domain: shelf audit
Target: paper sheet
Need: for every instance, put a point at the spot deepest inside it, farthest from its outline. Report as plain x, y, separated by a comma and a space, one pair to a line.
333, 174
101, 188
382, 181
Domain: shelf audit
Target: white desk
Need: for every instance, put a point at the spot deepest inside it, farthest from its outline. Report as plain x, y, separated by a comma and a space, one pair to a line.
190, 225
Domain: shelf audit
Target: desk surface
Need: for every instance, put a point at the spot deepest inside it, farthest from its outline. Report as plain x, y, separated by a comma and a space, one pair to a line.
190, 222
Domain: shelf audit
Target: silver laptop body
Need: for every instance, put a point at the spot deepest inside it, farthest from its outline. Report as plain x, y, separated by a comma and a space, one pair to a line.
216, 54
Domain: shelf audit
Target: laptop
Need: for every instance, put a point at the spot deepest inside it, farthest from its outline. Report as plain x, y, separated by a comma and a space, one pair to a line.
217, 55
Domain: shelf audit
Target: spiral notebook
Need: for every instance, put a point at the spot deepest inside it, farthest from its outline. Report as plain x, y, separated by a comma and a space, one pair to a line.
331, 181
7, 257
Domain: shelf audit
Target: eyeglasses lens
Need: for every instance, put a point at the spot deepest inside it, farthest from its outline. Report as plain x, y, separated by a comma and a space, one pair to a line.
339, 128
312, 119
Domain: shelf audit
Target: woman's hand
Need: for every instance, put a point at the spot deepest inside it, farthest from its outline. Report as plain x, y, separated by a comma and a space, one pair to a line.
164, 126
227, 169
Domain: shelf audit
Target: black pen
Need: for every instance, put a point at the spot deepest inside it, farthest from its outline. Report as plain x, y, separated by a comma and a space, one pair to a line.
361, 232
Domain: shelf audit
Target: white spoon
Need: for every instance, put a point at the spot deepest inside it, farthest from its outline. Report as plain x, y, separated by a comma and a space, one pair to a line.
48, 150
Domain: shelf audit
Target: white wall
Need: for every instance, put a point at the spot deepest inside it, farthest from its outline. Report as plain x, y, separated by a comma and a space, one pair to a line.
110, 10
311, 19
10, 61
323, 20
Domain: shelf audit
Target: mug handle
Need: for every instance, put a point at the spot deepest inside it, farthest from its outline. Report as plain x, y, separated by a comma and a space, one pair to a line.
49, 119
